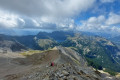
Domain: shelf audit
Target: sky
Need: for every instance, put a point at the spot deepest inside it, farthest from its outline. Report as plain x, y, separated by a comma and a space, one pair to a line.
47, 15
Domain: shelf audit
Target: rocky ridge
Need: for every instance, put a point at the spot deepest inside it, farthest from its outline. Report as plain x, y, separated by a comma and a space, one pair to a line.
69, 65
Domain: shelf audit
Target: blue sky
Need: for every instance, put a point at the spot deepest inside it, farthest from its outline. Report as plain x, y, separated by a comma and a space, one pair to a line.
48, 15
100, 9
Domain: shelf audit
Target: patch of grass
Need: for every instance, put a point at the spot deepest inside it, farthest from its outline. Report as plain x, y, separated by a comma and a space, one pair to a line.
94, 64
113, 73
73, 48
76, 61
30, 52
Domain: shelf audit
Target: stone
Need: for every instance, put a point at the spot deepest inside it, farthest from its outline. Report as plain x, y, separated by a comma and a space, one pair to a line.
65, 73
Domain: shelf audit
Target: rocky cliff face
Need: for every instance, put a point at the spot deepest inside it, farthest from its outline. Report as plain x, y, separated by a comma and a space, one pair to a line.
68, 65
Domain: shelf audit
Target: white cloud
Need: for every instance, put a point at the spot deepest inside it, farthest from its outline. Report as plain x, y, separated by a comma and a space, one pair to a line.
113, 19
96, 20
101, 23
115, 29
43, 14
10, 20
93, 23
36, 23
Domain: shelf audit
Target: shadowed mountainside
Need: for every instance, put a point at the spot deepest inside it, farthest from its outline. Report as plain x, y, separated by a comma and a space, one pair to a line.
8, 44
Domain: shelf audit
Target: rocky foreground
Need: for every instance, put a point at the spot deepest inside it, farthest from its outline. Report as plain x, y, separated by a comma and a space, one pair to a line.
68, 65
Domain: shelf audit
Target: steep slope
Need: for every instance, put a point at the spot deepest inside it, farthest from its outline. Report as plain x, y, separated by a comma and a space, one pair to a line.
116, 40
68, 65
8, 44
58, 36
46, 40
37, 43
45, 44
43, 40
28, 41
97, 50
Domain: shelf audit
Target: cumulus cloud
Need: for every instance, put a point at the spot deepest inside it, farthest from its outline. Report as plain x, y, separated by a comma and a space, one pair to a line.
9, 20
101, 23
93, 23
113, 19
43, 14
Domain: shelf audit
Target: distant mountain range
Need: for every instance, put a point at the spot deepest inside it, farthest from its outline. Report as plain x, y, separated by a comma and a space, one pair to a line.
98, 51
